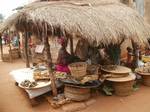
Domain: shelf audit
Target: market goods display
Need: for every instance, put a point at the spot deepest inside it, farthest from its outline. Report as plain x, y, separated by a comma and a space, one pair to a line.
92, 69
146, 58
109, 67
28, 84
145, 73
41, 75
60, 75
115, 69
123, 86
143, 70
89, 78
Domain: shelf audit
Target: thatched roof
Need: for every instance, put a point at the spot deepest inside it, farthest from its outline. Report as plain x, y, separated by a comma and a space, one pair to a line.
105, 22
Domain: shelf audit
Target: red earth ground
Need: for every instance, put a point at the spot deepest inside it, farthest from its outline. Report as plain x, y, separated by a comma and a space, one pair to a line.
14, 99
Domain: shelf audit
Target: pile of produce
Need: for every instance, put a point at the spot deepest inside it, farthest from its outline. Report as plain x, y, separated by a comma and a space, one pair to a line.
41, 75
28, 84
143, 70
110, 67
60, 75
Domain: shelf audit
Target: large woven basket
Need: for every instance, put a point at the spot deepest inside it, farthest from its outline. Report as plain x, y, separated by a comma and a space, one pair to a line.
146, 80
78, 69
77, 94
123, 88
6, 58
15, 53
145, 73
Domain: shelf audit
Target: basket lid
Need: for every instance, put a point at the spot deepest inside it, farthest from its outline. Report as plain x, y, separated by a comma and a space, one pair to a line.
115, 69
130, 77
140, 70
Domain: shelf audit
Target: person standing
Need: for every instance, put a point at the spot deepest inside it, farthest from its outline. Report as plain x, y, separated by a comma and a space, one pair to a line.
114, 52
15, 40
129, 57
137, 55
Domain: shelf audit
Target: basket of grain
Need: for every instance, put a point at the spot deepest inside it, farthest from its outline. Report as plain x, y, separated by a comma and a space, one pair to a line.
15, 53
145, 73
78, 69
123, 86
77, 94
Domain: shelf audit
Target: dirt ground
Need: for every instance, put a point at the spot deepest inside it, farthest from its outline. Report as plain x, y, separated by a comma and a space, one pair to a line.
14, 99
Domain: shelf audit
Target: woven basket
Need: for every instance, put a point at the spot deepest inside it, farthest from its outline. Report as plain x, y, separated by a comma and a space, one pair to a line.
6, 57
15, 53
78, 69
146, 80
123, 88
145, 75
77, 94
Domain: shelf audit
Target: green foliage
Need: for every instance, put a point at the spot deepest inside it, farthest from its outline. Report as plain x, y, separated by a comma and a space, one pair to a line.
107, 89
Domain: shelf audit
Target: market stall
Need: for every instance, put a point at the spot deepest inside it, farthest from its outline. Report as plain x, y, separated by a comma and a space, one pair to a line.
95, 21
9, 44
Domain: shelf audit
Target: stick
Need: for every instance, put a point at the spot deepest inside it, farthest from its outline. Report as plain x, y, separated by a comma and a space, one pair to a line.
26, 50
49, 59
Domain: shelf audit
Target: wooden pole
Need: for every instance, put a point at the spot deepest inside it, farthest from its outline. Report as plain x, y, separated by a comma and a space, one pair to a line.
26, 50
71, 46
130, 3
1, 46
49, 59
9, 44
19, 44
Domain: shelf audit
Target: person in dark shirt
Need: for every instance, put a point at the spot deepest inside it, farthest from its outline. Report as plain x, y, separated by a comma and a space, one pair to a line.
129, 57
114, 52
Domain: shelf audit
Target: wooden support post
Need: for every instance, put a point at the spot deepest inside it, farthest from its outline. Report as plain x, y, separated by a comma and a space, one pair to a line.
1, 47
71, 46
130, 2
10, 53
49, 59
26, 50
19, 45
9, 44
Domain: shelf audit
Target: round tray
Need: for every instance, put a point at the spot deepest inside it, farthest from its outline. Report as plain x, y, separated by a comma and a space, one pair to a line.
141, 73
115, 69
130, 77
40, 84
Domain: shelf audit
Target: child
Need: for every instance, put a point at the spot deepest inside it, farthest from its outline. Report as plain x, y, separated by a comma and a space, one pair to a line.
129, 56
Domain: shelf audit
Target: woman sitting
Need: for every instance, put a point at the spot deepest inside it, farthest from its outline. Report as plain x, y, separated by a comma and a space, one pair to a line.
63, 57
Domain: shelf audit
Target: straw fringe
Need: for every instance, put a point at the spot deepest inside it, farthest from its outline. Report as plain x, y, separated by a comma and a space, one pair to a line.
97, 21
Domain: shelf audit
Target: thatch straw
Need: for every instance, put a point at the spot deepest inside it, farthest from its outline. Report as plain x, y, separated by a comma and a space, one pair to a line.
97, 21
